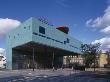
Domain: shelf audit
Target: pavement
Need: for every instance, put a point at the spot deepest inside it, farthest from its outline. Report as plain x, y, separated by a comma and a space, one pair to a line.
65, 75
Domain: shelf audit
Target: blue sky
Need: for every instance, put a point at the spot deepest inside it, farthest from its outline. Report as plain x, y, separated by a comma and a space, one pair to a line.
82, 16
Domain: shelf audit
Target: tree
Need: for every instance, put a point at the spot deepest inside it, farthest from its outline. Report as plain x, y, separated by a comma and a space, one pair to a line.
108, 57
89, 52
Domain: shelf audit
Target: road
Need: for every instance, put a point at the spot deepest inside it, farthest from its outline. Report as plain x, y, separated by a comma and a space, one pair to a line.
52, 76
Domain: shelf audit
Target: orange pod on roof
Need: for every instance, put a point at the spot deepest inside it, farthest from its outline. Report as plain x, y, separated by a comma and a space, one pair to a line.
64, 29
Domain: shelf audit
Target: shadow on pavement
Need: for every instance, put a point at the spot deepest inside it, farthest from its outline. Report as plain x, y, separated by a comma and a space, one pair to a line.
79, 77
103, 75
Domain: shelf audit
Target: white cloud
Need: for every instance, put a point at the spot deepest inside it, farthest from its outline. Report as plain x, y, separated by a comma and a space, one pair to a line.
101, 21
2, 52
7, 24
88, 22
105, 42
106, 30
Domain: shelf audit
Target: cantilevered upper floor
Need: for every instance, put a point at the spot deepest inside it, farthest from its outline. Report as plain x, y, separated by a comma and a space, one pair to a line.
40, 32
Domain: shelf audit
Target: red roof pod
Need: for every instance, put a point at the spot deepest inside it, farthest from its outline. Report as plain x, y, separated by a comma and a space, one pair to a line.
64, 29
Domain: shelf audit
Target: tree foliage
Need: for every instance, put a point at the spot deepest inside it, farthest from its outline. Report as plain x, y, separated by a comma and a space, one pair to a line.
89, 52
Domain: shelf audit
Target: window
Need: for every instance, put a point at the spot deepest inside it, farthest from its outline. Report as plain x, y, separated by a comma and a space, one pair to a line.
29, 27
48, 38
35, 33
41, 29
14, 37
67, 40
24, 27
64, 42
41, 35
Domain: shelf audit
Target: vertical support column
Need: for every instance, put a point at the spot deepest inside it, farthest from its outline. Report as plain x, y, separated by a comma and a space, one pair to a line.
62, 63
53, 61
33, 59
72, 61
9, 58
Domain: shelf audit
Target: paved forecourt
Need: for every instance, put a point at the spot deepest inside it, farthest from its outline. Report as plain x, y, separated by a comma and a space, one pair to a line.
65, 75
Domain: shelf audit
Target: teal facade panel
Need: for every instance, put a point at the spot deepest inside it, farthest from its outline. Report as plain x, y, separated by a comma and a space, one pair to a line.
29, 32
17, 37
54, 37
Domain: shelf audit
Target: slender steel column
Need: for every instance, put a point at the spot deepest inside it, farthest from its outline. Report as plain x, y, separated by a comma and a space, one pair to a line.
33, 59
72, 61
53, 62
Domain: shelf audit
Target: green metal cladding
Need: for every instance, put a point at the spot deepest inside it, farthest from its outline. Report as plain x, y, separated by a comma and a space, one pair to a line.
29, 32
